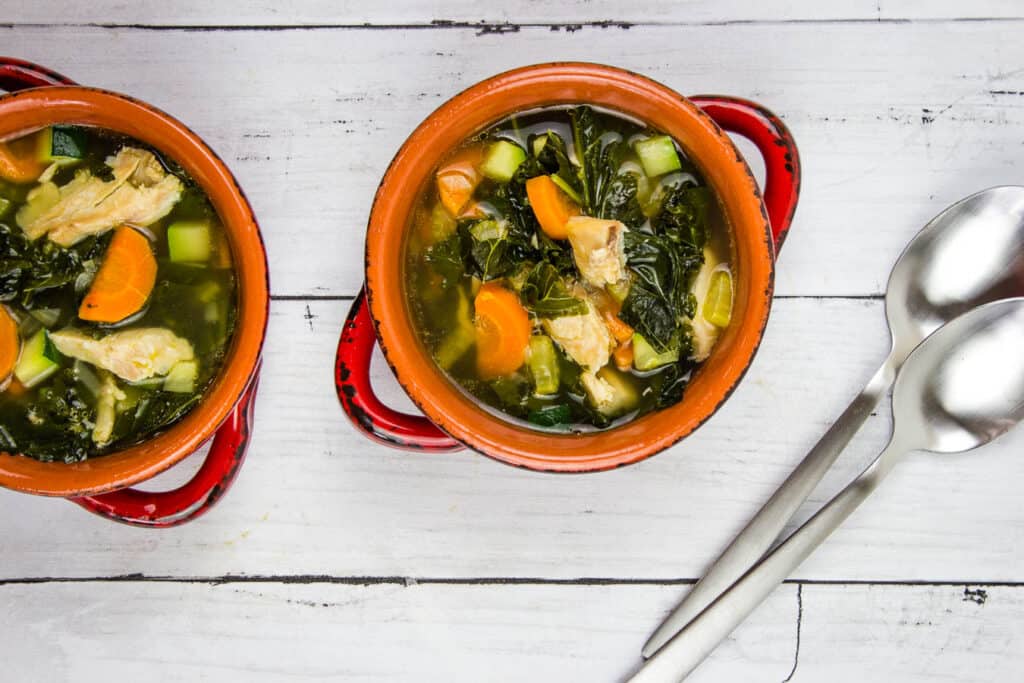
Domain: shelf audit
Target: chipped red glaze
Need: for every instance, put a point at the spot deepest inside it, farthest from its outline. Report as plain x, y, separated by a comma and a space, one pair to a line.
194, 498
776, 145
230, 443
352, 382
410, 432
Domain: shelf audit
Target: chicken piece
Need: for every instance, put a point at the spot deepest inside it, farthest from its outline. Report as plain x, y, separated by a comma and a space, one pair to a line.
600, 392
705, 334
584, 337
106, 413
132, 355
140, 193
597, 246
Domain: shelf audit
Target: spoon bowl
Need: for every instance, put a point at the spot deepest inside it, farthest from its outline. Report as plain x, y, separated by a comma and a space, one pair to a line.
963, 386
970, 254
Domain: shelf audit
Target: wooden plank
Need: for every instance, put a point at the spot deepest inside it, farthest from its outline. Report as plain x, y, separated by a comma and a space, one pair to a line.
315, 497
926, 113
911, 634
250, 632
516, 12
290, 632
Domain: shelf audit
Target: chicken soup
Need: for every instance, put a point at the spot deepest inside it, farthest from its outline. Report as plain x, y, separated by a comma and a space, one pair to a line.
569, 268
117, 290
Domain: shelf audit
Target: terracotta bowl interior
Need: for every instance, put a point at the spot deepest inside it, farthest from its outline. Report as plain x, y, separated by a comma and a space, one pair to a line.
32, 109
488, 102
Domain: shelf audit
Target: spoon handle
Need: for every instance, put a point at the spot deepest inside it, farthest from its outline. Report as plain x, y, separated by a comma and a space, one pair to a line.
760, 533
688, 648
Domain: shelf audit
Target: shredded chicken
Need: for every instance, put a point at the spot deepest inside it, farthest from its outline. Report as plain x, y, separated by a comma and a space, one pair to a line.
132, 355
597, 246
584, 337
600, 391
140, 193
106, 414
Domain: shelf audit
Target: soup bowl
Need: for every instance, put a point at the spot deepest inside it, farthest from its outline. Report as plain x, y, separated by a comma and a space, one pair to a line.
452, 419
39, 97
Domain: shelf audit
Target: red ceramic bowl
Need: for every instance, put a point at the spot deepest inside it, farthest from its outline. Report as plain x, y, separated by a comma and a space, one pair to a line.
101, 484
453, 419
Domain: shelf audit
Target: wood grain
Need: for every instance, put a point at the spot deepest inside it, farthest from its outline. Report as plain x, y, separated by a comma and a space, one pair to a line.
315, 497
309, 119
271, 631
513, 13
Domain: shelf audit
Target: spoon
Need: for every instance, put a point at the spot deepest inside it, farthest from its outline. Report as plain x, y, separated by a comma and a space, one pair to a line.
961, 388
970, 254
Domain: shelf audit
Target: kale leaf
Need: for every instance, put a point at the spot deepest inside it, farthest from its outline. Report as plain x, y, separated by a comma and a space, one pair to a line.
545, 294
29, 269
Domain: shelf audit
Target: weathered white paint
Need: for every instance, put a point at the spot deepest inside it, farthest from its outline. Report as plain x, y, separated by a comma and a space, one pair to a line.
515, 12
428, 632
309, 119
895, 119
315, 497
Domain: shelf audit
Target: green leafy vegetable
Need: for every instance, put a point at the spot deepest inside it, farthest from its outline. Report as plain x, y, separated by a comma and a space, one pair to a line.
546, 295
550, 416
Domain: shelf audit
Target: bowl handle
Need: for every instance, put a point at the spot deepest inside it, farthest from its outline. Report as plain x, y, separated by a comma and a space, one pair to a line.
776, 144
17, 74
194, 498
218, 472
352, 382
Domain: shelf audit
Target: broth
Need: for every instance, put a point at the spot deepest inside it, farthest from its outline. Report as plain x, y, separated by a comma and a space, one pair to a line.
569, 269
118, 292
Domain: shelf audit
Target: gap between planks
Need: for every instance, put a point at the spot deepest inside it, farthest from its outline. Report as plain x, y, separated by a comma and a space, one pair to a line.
313, 579
497, 27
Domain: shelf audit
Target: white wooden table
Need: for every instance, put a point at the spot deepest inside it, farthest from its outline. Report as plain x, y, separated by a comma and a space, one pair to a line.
333, 558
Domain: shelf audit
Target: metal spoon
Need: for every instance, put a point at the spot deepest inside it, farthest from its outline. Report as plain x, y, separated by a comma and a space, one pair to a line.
961, 388
970, 254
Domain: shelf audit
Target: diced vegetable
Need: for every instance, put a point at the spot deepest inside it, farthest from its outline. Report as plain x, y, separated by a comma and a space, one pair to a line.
10, 343
718, 303
439, 226
658, 155
502, 331
39, 200
619, 290
489, 230
550, 416
189, 241
501, 160
47, 317
18, 162
124, 281
182, 377
61, 144
552, 207
38, 360
5, 206
645, 357
460, 339
543, 365
620, 330
458, 179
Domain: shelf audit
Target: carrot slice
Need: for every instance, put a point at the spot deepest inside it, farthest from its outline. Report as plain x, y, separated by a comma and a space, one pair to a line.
502, 331
552, 207
18, 160
124, 281
10, 343
623, 355
458, 178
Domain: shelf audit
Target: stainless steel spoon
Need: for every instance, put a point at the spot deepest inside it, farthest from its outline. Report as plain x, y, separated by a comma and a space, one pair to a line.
970, 254
961, 388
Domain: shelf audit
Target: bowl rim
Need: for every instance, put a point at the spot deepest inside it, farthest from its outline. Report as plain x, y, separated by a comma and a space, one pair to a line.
485, 103
28, 110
